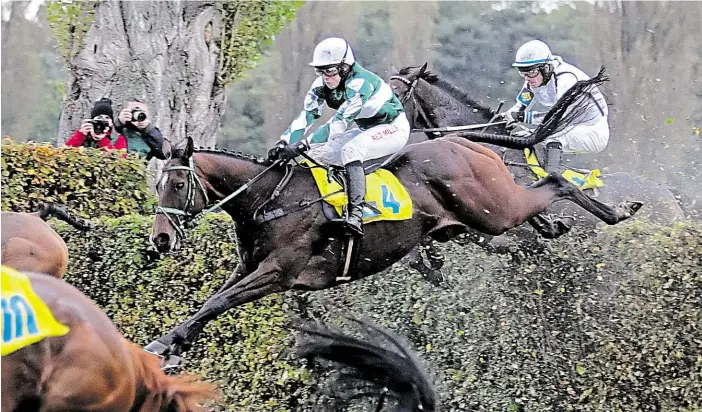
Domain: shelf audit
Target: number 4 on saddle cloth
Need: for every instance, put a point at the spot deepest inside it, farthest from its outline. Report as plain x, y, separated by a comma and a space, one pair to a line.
26, 319
584, 180
386, 198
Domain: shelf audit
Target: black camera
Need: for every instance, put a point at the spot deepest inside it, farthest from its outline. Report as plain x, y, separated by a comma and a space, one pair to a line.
138, 116
99, 126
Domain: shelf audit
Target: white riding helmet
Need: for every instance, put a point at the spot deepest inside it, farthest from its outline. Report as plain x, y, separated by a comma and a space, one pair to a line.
333, 50
532, 53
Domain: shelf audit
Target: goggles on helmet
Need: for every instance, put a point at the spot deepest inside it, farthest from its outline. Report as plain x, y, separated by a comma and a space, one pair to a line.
529, 72
328, 71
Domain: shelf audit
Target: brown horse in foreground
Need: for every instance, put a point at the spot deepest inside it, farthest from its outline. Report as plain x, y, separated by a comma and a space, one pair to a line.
92, 368
30, 244
455, 185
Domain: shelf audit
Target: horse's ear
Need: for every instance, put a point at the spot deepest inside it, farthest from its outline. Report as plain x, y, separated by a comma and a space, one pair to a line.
394, 70
423, 69
189, 148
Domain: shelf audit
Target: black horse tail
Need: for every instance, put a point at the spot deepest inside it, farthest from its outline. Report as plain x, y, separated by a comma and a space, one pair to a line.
570, 107
390, 371
49, 210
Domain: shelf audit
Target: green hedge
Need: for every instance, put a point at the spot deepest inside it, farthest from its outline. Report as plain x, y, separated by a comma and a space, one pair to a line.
603, 323
89, 182
146, 295
607, 323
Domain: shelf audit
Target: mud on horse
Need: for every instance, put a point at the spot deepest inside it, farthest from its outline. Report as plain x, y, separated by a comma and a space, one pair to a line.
456, 185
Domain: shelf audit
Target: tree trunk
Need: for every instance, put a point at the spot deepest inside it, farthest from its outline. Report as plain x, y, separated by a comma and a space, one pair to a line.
160, 52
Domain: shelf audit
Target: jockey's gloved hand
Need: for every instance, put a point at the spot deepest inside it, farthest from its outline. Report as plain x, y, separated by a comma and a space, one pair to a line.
285, 151
274, 152
512, 118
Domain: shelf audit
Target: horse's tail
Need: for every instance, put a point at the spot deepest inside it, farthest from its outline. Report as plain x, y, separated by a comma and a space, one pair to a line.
157, 391
570, 107
48, 210
393, 369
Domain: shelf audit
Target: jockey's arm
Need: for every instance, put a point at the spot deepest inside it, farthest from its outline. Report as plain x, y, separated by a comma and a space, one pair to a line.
314, 104
344, 116
565, 82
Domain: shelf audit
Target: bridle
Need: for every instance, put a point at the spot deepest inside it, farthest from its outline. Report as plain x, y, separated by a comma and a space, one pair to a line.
410, 94
182, 218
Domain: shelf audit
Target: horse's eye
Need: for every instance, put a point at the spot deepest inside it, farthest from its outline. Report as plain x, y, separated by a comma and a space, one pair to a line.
179, 185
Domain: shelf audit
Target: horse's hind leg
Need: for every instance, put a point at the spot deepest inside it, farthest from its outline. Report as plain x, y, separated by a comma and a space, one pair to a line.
563, 189
551, 228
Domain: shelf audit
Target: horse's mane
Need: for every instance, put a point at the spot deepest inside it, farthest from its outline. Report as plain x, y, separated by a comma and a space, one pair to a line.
224, 152
452, 90
157, 391
379, 361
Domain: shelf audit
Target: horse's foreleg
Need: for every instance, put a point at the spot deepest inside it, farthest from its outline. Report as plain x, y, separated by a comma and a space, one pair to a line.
563, 189
240, 272
264, 281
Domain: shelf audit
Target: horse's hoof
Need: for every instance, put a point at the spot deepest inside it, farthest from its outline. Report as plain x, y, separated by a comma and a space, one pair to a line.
435, 277
565, 223
168, 359
158, 348
630, 208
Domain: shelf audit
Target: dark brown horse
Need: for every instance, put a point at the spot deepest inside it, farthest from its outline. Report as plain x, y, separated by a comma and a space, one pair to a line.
380, 364
92, 367
30, 244
431, 102
455, 185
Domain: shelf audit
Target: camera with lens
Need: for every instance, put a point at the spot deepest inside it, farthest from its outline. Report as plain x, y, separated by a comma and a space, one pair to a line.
138, 116
99, 126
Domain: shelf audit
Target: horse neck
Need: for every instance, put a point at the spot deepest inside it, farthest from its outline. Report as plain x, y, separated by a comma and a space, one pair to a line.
446, 109
227, 173
156, 391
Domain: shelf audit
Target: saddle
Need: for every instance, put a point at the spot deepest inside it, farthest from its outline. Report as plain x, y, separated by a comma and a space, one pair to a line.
386, 197
529, 159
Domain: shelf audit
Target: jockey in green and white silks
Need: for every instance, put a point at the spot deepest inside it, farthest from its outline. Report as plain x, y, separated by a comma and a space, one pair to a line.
546, 79
359, 96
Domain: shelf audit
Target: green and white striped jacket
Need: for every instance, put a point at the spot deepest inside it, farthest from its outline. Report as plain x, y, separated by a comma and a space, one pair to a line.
364, 98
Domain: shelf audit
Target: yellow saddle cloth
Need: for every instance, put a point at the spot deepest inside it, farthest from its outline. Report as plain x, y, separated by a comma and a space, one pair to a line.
582, 180
25, 317
388, 198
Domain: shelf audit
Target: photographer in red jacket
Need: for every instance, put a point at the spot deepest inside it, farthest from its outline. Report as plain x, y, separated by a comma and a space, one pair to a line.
96, 132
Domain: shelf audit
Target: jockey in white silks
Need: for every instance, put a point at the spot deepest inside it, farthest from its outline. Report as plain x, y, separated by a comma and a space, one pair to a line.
546, 79
359, 96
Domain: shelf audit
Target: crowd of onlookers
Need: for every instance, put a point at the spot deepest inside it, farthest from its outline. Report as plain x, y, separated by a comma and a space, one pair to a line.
132, 131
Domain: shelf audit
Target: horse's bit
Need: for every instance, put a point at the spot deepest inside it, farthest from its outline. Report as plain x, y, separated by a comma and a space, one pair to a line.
410, 93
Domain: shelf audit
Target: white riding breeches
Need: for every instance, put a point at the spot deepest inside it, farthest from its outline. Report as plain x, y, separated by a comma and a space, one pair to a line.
584, 138
356, 145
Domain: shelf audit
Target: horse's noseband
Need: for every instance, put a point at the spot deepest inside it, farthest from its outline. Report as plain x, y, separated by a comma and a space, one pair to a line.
180, 218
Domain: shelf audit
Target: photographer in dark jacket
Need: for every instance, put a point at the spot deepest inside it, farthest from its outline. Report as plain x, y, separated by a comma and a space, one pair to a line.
142, 137
96, 132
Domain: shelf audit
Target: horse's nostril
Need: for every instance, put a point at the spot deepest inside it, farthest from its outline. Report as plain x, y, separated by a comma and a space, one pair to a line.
161, 239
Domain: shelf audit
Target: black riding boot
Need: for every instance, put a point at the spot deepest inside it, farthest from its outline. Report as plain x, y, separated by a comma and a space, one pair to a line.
553, 157
356, 182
